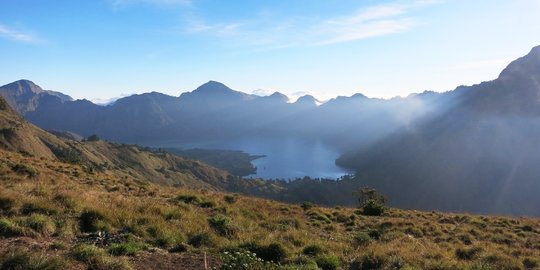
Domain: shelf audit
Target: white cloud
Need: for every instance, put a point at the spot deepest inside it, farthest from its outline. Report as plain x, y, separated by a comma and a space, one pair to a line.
15, 35
275, 33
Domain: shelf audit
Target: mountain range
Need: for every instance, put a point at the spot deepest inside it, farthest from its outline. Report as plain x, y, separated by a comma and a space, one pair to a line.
472, 149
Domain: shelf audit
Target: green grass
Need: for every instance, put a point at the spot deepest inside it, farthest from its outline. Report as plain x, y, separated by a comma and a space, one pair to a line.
25, 260
58, 209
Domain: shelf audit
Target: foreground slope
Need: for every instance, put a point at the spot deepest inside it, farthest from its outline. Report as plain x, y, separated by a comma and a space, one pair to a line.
62, 216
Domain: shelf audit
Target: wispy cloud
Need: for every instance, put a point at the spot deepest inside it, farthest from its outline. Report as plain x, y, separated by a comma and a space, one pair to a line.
274, 33
15, 35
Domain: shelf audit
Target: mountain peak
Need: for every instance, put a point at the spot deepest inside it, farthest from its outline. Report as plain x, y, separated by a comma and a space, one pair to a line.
213, 90
213, 86
278, 95
307, 100
22, 87
525, 67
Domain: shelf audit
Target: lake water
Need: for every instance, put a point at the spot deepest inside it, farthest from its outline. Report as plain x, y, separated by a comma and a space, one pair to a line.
285, 158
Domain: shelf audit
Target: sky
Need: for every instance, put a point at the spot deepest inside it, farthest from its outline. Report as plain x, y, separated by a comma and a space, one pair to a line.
101, 49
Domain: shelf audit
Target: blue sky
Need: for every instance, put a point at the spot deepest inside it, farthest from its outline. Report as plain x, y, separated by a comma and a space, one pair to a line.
108, 48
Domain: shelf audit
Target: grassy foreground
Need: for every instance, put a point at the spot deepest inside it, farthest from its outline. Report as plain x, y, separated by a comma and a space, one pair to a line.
55, 215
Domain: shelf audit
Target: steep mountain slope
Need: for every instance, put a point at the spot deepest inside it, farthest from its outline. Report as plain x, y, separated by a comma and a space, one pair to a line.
480, 156
128, 160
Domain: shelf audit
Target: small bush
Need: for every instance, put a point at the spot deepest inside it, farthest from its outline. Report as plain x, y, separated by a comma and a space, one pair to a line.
274, 252
85, 253
188, 199
200, 240
10, 229
230, 198
307, 205
126, 249
66, 201
92, 221
372, 208
41, 224
313, 250
23, 259
467, 253
7, 205
222, 225
362, 239
370, 261
97, 259
179, 248
38, 208
25, 169
165, 238
328, 262
417, 233
208, 204
530, 263
173, 215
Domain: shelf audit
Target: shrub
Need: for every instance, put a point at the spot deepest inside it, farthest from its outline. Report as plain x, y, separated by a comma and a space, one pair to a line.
274, 252
501, 261
313, 250
467, 253
25, 169
530, 263
7, 205
230, 198
307, 205
414, 232
328, 262
208, 204
178, 248
10, 229
188, 199
369, 261
166, 239
373, 208
201, 239
222, 225
92, 221
38, 208
362, 239
97, 259
23, 259
66, 201
40, 224
92, 138
173, 215
84, 253
126, 249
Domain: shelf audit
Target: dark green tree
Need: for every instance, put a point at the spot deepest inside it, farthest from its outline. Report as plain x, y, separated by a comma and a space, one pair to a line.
371, 201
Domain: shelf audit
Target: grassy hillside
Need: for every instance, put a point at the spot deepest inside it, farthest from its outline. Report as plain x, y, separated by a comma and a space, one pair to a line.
64, 216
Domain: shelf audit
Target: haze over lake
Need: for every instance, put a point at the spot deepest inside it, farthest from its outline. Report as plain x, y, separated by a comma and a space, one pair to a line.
286, 158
